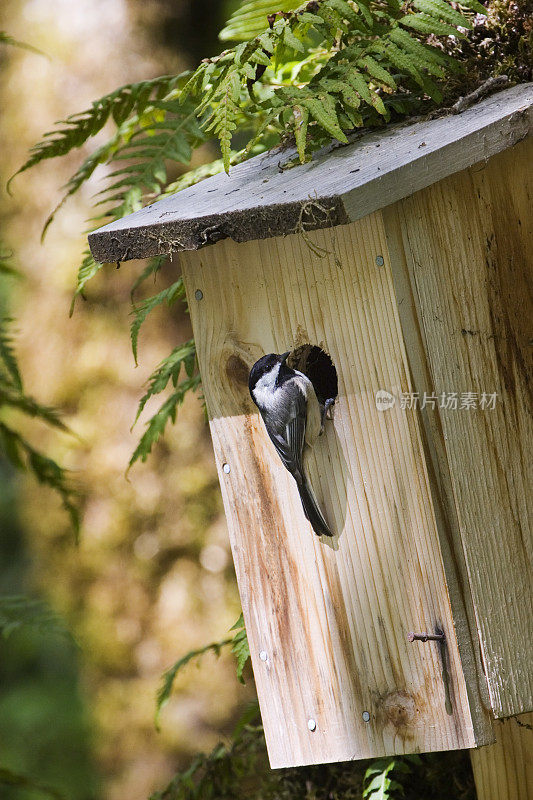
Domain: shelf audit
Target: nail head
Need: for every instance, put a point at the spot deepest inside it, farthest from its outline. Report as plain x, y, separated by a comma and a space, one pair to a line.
311, 724
199, 294
226, 468
263, 655
366, 716
426, 637
380, 261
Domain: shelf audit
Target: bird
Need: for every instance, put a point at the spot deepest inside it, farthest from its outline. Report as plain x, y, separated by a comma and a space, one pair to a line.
294, 418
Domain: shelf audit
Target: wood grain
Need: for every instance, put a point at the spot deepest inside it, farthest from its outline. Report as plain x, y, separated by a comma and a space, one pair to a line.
259, 200
333, 620
504, 771
468, 246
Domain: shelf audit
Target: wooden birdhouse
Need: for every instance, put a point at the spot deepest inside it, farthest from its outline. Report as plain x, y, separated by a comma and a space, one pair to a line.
406, 258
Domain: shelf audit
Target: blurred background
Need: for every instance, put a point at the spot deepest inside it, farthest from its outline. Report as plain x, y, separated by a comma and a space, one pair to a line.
152, 577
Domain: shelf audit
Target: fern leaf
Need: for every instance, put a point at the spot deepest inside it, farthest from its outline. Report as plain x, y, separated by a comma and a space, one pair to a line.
424, 23
152, 268
87, 270
45, 469
167, 683
301, 119
140, 312
252, 18
28, 784
155, 427
5, 38
378, 104
474, 5
404, 62
240, 647
442, 10
183, 356
20, 611
322, 109
347, 12
378, 72
356, 79
223, 119
7, 353
6, 266
290, 40
81, 176
11, 396
378, 783
78, 128
417, 56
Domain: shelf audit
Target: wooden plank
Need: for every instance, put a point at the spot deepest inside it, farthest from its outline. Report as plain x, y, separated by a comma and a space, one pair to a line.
504, 771
331, 619
439, 477
468, 243
260, 200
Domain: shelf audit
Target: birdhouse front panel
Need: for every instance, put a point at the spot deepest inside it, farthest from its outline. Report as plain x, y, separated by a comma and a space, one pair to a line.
328, 620
405, 256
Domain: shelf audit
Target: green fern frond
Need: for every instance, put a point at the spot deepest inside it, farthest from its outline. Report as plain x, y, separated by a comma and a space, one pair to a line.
239, 647
20, 611
252, 18
87, 270
378, 783
27, 784
5, 38
375, 70
169, 677
7, 354
141, 311
182, 357
424, 23
439, 9
155, 427
474, 5
47, 471
374, 47
13, 397
225, 110
323, 110
100, 156
301, 120
152, 268
78, 128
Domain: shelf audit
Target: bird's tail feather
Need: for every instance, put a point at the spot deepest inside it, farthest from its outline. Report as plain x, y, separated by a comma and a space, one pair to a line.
312, 510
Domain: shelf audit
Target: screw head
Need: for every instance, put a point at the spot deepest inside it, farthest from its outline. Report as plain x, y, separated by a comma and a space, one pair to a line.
380, 261
226, 468
199, 294
366, 716
311, 724
263, 655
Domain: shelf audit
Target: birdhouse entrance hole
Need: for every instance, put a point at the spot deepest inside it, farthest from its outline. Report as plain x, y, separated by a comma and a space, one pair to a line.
319, 368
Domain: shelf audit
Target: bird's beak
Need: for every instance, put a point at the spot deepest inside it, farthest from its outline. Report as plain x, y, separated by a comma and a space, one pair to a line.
285, 356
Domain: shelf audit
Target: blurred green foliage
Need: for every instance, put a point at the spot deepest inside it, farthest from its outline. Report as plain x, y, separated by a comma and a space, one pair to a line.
44, 731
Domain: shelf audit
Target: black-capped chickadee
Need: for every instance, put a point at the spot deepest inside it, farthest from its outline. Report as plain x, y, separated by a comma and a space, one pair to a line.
294, 419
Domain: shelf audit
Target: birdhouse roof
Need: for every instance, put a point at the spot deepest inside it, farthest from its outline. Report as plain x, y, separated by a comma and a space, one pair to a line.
266, 197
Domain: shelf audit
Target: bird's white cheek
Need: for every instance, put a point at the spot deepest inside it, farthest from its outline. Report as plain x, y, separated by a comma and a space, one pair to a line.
264, 388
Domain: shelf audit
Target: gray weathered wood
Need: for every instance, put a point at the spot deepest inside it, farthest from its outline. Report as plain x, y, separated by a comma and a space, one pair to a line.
259, 200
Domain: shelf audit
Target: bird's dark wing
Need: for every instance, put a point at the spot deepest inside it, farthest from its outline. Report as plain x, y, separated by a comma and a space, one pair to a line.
289, 437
